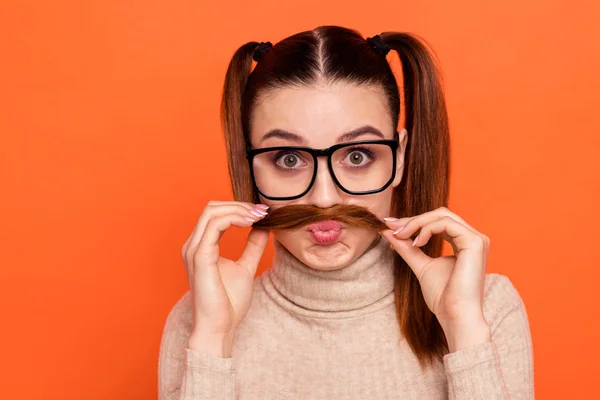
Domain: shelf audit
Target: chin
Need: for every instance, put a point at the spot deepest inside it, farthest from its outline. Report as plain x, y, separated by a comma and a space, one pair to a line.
327, 257
330, 257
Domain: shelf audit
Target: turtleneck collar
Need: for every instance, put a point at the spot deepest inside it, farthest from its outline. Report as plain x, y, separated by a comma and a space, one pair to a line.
361, 287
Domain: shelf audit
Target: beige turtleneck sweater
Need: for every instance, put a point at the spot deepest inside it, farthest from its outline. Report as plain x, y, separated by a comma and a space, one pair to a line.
312, 334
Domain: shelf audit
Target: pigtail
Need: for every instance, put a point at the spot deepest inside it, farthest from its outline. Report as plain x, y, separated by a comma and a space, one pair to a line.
425, 185
231, 120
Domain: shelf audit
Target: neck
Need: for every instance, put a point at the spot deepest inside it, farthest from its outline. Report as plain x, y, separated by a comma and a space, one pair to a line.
364, 285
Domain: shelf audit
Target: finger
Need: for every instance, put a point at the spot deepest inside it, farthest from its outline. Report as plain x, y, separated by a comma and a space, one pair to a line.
257, 241
461, 236
457, 218
425, 218
213, 211
405, 233
207, 252
214, 208
247, 219
204, 260
219, 209
446, 212
225, 203
471, 247
394, 223
414, 256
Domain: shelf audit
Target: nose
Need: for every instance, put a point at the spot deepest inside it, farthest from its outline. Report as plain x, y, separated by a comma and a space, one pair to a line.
324, 192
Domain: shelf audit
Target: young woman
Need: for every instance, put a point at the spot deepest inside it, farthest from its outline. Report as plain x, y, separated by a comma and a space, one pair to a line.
349, 309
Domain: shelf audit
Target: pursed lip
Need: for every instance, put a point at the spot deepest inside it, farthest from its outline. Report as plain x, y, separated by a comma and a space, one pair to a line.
325, 232
325, 225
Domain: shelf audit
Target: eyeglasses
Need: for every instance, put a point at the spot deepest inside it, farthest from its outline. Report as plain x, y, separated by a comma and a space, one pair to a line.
357, 168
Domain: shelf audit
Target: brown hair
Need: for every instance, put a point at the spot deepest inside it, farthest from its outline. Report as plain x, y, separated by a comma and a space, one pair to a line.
330, 54
297, 215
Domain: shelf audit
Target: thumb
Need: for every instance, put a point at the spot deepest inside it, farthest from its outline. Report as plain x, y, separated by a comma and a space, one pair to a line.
413, 255
255, 246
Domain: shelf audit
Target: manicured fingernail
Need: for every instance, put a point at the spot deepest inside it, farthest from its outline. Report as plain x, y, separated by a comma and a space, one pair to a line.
417, 238
250, 219
390, 219
257, 213
399, 229
262, 206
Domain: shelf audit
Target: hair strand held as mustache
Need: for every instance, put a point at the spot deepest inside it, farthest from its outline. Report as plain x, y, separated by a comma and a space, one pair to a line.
297, 215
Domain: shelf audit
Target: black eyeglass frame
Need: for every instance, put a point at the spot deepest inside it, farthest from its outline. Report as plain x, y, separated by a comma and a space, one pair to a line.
392, 143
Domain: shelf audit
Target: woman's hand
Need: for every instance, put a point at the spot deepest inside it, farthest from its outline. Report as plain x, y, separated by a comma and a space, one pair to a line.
452, 285
221, 289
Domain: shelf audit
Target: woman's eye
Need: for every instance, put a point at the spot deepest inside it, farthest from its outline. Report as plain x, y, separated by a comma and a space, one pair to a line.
289, 161
357, 158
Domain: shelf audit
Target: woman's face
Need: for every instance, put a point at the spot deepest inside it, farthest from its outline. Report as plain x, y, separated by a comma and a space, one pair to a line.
318, 118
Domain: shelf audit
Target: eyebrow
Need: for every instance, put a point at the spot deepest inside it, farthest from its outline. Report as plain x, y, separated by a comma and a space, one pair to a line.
353, 134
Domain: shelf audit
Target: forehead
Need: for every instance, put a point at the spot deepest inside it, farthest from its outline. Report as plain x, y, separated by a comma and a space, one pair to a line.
321, 114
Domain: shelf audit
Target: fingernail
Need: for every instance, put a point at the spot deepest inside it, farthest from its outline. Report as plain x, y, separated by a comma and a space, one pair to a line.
250, 219
399, 229
257, 213
262, 213
390, 219
417, 238
262, 206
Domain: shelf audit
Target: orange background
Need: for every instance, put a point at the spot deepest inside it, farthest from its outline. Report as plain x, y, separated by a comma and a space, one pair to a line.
110, 146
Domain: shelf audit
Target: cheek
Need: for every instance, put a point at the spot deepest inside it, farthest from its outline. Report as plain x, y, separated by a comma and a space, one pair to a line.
274, 204
294, 240
378, 204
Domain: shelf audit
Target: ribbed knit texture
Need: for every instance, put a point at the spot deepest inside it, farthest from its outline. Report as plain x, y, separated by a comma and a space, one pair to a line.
313, 334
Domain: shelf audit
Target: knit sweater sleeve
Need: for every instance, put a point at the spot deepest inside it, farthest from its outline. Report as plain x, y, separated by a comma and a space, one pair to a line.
503, 367
184, 373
